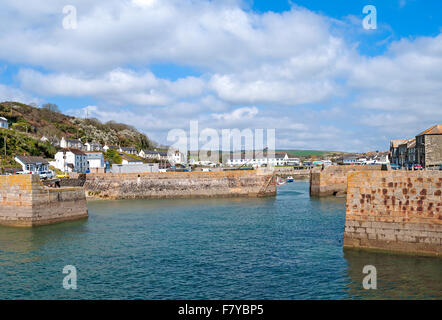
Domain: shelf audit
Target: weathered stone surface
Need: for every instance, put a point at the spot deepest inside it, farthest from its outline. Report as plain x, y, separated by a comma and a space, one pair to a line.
254, 183
383, 213
26, 202
332, 180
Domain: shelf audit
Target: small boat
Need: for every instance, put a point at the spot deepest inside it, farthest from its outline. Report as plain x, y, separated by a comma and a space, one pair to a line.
279, 181
290, 179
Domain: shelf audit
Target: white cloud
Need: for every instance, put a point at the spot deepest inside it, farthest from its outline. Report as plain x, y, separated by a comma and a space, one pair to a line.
238, 114
118, 86
256, 70
401, 91
144, 3
8, 93
284, 58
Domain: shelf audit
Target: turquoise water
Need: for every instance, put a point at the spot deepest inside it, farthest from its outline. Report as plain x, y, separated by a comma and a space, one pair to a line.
288, 247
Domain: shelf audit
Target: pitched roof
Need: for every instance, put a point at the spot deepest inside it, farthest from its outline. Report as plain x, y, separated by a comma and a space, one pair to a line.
31, 159
4, 119
73, 141
94, 155
437, 129
128, 148
74, 151
129, 158
396, 143
151, 152
280, 155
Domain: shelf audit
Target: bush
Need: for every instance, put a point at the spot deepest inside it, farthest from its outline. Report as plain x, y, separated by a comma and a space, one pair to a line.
51, 107
113, 156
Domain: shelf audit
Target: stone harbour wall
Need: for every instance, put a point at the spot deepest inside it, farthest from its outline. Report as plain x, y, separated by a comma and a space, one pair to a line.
284, 172
395, 211
333, 179
254, 183
25, 202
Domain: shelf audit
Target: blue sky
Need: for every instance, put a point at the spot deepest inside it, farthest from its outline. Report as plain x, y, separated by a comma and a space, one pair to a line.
306, 68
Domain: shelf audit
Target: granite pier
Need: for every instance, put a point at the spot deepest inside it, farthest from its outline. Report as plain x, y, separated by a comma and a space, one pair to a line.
241, 183
25, 202
395, 211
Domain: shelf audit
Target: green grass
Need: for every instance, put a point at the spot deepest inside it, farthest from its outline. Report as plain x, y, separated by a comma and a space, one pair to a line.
309, 153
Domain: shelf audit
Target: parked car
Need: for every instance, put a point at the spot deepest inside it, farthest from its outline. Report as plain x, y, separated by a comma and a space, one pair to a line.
46, 175
417, 167
394, 166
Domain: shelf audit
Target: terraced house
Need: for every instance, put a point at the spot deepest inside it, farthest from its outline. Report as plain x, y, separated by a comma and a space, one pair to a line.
407, 152
71, 143
429, 147
394, 150
425, 149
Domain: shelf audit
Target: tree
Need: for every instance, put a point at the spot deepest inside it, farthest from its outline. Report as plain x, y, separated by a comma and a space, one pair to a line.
51, 107
113, 156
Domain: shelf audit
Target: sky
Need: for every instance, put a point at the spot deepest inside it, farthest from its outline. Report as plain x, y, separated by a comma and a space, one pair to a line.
307, 68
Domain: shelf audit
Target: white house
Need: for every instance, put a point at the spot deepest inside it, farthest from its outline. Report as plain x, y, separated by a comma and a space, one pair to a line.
95, 160
71, 160
378, 160
92, 146
149, 154
68, 144
128, 150
32, 164
153, 154
293, 162
349, 160
176, 157
279, 159
106, 148
4, 123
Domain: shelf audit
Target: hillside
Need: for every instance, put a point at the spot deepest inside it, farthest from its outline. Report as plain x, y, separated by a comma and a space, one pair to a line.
312, 153
19, 144
30, 123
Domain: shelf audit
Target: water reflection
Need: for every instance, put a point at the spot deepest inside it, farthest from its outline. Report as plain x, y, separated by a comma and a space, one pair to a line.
25, 244
398, 276
288, 247
167, 204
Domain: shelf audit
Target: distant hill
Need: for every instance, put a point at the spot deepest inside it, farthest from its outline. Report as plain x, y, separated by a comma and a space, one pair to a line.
311, 153
30, 123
